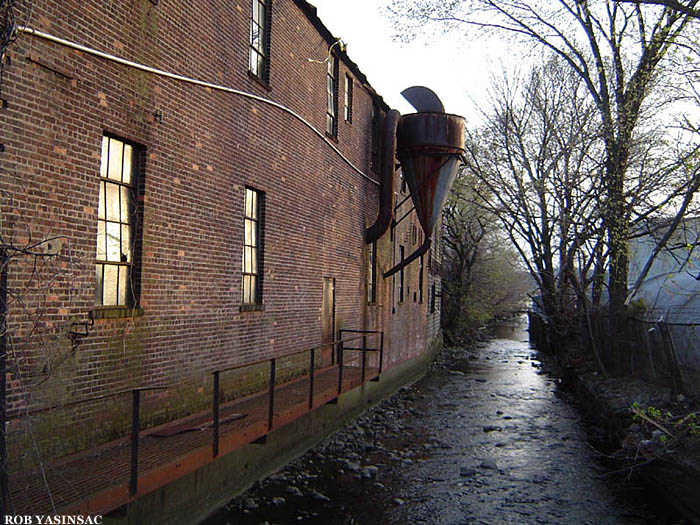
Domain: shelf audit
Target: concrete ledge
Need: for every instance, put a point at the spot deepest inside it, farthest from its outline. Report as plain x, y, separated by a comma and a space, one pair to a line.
191, 498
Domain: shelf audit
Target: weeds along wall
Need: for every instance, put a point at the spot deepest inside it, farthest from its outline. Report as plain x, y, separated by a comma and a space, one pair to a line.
196, 152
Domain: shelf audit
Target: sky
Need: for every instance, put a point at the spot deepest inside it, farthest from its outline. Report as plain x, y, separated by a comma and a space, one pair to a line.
456, 69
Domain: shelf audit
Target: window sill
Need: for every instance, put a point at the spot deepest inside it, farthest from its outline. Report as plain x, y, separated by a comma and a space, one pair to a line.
115, 312
334, 138
259, 80
252, 307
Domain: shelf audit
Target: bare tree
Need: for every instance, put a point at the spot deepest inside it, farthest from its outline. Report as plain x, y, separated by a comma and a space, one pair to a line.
482, 277
615, 49
538, 160
684, 8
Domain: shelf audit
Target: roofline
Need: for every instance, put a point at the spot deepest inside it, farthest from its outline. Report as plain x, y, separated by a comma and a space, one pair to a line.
309, 11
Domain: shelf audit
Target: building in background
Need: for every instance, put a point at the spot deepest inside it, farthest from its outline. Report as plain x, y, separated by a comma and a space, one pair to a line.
185, 191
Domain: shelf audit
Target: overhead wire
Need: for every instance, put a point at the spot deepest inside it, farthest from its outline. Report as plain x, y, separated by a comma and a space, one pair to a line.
182, 78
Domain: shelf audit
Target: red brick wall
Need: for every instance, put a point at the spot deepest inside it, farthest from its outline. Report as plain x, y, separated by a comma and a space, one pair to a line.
197, 162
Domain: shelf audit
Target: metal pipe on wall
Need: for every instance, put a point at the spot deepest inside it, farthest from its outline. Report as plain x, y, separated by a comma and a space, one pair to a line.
374, 232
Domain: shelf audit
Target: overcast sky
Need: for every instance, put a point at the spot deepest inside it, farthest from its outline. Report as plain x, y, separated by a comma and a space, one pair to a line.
456, 69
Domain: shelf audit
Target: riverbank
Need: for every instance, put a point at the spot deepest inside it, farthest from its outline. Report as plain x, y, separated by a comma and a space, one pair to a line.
647, 423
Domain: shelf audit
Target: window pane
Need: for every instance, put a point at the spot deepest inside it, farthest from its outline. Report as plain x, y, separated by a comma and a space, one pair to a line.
123, 284
113, 242
101, 241
112, 202
248, 203
105, 151
126, 243
261, 13
116, 150
98, 284
128, 157
253, 260
255, 37
261, 65
110, 284
248, 260
253, 205
249, 232
246, 289
253, 62
125, 204
253, 281
256, 12
101, 205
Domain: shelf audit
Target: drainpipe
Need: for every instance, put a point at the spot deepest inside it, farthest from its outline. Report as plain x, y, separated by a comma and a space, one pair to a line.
386, 187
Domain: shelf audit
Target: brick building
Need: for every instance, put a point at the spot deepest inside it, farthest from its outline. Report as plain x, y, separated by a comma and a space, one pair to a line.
185, 192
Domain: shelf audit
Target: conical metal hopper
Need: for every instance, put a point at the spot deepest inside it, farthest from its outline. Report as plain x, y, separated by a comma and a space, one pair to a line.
429, 148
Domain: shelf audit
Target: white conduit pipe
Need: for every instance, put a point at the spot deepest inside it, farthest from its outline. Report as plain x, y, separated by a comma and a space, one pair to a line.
136, 65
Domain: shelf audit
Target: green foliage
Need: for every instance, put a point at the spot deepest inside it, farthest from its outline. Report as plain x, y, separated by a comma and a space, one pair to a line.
673, 427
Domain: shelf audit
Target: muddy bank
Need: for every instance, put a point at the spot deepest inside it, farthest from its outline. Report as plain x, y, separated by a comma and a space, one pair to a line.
488, 436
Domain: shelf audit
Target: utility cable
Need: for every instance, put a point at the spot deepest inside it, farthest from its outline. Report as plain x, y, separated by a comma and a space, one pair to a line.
160, 72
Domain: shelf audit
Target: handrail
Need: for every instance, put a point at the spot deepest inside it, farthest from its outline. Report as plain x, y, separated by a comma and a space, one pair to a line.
216, 394
266, 360
37, 410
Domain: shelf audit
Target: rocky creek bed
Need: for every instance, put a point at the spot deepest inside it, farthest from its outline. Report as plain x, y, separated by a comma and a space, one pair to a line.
488, 436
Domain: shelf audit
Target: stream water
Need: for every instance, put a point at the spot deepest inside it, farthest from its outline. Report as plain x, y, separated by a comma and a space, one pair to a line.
488, 436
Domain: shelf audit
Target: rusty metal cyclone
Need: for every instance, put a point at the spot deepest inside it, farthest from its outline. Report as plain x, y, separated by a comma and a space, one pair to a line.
429, 148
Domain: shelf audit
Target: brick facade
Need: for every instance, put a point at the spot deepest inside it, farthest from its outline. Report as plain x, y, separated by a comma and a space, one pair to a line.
199, 148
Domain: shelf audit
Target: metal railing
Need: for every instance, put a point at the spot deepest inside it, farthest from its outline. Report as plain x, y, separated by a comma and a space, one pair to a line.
337, 345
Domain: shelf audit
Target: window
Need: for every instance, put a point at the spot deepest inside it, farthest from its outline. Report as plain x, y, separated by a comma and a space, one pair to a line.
259, 61
372, 274
401, 274
348, 98
252, 247
332, 97
116, 224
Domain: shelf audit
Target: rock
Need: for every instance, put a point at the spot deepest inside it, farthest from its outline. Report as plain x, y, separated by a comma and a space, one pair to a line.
456, 373
320, 497
372, 470
294, 491
481, 380
398, 501
279, 501
379, 485
352, 466
467, 472
492, 428
250, 504
489, 463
